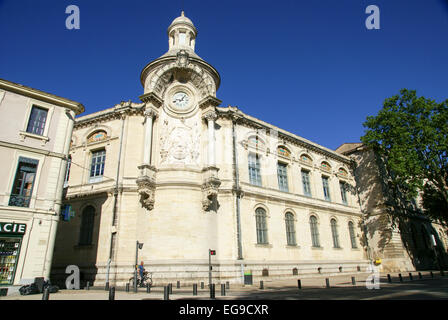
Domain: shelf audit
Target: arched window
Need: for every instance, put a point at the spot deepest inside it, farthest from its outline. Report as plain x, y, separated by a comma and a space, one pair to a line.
262, 230
425, 237
325, 166
414, 236
97, 136
283, 151
334, 233
290, 229
351, 230
314, 232
306, 158
87, 221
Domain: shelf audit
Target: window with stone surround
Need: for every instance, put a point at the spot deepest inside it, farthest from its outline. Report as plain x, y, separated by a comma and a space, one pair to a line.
254, 169
37, 121
314, 232
22, 188
282, 177
87, 224
326, 188
306, 183
290, 229
351, 229
261, 226
97, 165
334, 233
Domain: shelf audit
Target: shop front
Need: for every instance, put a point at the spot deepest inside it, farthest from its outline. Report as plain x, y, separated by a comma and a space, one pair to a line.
11, 235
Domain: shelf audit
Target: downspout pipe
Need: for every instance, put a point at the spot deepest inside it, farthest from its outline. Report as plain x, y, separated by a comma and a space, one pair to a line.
237, 189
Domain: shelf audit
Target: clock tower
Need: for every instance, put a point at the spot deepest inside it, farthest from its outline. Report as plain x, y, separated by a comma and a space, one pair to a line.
179, 141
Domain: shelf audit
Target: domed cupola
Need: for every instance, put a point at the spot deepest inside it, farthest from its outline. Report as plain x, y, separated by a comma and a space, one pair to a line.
180, 64
182, 33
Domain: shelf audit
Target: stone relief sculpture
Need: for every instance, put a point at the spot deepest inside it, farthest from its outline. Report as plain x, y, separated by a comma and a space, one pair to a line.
180, 142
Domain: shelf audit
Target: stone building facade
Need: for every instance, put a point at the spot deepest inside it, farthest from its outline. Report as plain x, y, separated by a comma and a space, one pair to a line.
35, 130
183, 175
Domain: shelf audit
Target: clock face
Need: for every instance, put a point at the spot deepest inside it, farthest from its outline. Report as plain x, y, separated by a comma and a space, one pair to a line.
180, 100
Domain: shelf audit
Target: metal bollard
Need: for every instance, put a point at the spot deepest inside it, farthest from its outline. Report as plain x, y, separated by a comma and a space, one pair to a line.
195, 289
261, 285
212, 291
127, 287
389, 278
353, 281
410, 276
223, 289
178, 285
148, 288
420, 275
166, 293
46, 294
432, 274
227, 285
88, 285
107, 286
327, 282
202, 285
170, 286
401, 278
299, 284
112, 293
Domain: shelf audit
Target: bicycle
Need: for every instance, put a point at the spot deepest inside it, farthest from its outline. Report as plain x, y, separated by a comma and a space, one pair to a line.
147, 280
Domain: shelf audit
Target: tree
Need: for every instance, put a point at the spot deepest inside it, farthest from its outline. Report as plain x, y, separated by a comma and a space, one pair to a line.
410, 137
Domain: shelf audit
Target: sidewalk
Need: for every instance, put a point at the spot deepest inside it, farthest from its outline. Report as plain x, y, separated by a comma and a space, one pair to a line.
272, 289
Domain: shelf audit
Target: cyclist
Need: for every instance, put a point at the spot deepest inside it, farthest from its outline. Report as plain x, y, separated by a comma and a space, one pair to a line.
141, 271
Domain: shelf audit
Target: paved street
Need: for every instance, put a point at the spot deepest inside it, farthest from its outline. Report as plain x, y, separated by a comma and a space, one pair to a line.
341, 288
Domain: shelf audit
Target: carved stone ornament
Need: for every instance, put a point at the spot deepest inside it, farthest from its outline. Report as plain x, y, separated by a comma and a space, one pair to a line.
146, 191
210, 192
182, 59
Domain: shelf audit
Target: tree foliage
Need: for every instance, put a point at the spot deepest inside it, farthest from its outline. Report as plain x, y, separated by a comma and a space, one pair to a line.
410, 136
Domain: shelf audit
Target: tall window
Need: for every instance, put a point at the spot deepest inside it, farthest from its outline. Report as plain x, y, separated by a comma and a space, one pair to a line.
254, 170
334, 233
314, 232
282, 177
22, 188
326, 187
351, 230
343, 187
36, 123
87, 220
290, 230
306, 183
262, 230
97, 165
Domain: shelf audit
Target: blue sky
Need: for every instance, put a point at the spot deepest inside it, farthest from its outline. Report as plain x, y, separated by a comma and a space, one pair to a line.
309, 67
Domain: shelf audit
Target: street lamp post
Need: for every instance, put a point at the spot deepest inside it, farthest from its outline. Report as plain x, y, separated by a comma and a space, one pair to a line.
138, 246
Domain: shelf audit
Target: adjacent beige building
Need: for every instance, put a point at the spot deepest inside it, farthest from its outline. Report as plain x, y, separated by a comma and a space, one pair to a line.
412, 242
35, 133
182, 175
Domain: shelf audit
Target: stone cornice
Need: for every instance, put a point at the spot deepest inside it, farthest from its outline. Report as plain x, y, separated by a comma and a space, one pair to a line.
172, 58
42, 96
241, 118
153, 98
118, 112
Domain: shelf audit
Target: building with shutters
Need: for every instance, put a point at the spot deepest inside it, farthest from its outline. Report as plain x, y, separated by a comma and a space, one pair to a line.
35, 134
